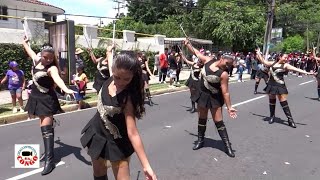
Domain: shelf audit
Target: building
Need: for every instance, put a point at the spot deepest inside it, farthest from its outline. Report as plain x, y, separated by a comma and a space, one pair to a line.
26, 8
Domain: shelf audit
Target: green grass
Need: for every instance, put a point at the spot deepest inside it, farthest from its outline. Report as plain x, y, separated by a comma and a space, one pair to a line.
6, 109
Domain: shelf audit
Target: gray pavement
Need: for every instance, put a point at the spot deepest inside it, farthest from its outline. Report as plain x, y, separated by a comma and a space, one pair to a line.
6, 98
263, 151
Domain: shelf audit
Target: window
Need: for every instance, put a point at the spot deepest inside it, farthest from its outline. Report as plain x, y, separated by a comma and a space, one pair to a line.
46, 17
3, 11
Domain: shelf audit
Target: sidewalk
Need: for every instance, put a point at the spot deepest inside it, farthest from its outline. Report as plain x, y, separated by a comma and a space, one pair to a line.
5, 97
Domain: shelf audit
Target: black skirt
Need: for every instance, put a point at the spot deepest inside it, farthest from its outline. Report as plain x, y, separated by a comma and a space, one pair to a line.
43, 104
208, 100
278, 89
101, 143
262, 75
145, 77
194, 88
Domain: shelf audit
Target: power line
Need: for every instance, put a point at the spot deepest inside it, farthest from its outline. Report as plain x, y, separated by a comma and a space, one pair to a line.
118, 7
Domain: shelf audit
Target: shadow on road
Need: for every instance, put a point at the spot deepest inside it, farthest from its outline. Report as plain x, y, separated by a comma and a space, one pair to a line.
217, 144
64, 150
150, 104
315, 99
276, 119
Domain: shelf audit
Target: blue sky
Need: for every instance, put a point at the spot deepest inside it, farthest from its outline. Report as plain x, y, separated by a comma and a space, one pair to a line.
86, 7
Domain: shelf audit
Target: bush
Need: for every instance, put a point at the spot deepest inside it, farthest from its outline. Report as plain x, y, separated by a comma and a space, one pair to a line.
10, 52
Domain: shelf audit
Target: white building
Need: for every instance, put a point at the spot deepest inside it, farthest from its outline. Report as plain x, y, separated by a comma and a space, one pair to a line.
26, 8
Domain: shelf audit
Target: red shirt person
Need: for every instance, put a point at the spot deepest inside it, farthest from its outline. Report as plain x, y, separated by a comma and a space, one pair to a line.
163, 59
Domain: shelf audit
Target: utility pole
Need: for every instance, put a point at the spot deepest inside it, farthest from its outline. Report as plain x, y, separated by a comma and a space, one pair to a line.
267, 35
119, 6
318, 42
308, 37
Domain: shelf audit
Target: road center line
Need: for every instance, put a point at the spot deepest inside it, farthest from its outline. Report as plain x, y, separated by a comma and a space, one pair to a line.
306, 82
30, 173
247, 101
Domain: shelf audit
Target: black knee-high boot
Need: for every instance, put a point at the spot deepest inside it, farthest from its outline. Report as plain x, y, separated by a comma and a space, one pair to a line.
193, 107
286, 110
256, 87
202, 124
224, 136
47, 134
319, 91
54, 124
149, 96
105, 177
272, 106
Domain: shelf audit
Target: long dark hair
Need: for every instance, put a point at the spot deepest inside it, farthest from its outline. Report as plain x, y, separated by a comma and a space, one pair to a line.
127, 60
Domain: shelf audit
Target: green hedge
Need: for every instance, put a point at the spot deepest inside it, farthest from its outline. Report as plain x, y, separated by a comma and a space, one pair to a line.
10, 52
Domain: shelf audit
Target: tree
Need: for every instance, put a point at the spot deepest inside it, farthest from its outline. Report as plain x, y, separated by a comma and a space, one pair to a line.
238, 27
151, 11
295, 43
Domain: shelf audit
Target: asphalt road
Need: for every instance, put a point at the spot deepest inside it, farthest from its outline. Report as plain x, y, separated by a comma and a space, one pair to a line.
168, 131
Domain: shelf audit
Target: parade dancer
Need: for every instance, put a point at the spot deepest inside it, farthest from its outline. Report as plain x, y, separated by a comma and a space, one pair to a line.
102, 73
43, 101
111, 136
276, 86
263, 73
193, 81
318, 72
212, 95
144, 63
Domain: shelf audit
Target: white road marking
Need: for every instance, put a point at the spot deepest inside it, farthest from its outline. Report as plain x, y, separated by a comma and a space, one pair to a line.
30, 173
247, 101
38, 118
306, 82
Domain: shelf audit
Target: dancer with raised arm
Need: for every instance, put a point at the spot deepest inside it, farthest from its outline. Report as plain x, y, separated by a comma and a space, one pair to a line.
213, 94
193, 81
102, 73
276, 86
43, 101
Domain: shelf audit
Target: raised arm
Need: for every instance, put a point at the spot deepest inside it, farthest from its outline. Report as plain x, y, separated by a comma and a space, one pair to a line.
110, 57
292, 68
93, 57
314, 55
136, 141
147, 66
193, 50
29, 51
261, 59
226, 94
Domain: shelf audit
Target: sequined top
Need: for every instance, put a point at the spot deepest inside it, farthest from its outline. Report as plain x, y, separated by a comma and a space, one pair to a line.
195, 72
276, 75
210, 80
111, 112
103, 69
42, 82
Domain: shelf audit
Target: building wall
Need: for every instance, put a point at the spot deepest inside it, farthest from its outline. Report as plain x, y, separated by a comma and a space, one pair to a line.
27, 12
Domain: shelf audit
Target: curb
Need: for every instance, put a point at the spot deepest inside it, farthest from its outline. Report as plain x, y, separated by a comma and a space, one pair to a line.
7, 119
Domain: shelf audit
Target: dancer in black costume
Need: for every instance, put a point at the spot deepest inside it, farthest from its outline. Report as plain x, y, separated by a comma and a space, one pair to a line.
318, 72
144, 63
212, 95
263, 73
111, 136
43, 101
102, 73
276, 85
193, 81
